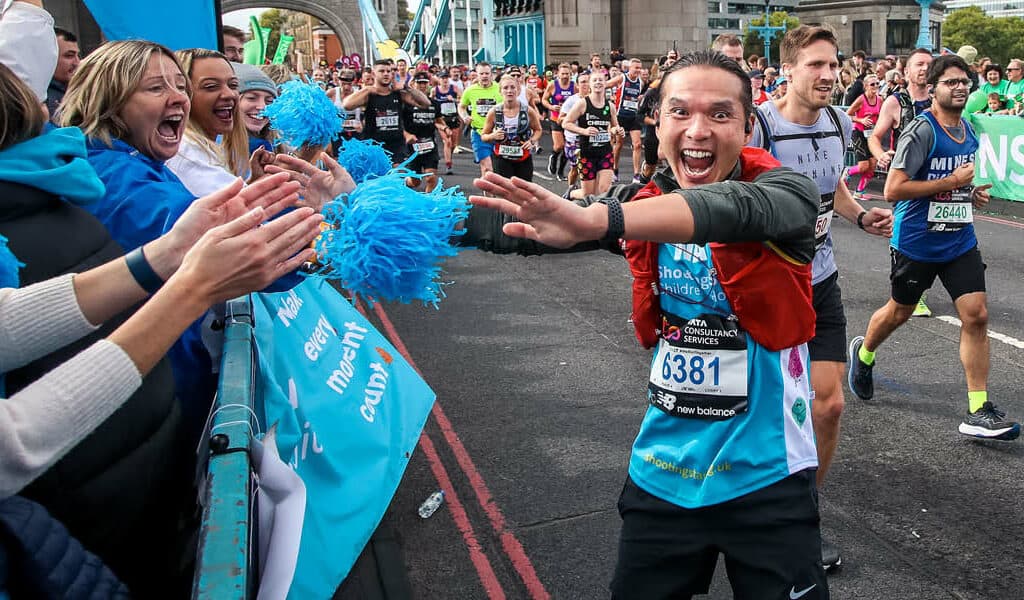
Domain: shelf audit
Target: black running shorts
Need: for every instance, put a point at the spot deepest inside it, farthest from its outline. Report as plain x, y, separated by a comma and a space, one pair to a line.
634, 123
770, 538
829, 342
909, 278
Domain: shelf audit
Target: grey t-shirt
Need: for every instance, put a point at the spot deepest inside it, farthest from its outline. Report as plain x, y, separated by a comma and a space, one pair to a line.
819, 158
916, 144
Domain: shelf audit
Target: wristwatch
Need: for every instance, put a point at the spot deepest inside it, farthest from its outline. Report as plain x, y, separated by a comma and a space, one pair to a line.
616, 222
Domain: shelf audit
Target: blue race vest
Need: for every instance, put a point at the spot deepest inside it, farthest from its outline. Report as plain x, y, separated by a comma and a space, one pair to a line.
727, 416
938, 228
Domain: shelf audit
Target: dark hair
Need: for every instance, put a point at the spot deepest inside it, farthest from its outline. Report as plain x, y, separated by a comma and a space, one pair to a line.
994, 67
717, 60
64, 33
383, 61
941, 64
233, 32
21, 114
859, 54
917, 51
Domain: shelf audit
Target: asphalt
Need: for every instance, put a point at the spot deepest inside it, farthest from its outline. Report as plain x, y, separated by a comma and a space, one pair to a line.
539, 387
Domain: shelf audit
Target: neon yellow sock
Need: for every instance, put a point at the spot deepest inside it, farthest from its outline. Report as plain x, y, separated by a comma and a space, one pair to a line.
976, 399
866, 356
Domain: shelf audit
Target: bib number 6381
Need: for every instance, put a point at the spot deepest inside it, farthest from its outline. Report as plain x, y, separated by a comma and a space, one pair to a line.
696, 370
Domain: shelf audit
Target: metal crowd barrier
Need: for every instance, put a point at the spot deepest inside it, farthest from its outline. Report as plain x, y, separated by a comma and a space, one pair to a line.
226, 561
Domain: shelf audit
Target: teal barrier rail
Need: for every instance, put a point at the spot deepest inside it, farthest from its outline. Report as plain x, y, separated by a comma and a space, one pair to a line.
226, 561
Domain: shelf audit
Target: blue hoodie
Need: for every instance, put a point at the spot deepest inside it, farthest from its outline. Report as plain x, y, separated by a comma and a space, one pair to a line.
143, 201
54, 162
144, 198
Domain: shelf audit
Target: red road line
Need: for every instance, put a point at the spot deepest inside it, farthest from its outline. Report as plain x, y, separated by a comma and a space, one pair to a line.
509, 543
476, 554
1016, 224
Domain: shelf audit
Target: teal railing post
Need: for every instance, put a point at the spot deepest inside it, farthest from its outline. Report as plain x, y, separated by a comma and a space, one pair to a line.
227, 551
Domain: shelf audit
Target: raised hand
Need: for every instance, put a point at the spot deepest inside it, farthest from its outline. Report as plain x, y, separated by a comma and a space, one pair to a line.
271, 194
318, 186
246, 254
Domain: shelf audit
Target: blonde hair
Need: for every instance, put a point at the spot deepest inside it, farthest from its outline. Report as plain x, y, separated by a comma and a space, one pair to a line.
279, 74
102, 85
21, 114
233, 151
501, 81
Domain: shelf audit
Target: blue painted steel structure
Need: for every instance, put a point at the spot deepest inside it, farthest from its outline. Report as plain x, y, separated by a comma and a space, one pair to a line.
522, 39
226, 561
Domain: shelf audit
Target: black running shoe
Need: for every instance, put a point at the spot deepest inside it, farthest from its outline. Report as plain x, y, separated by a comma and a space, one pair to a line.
858, 375
551, 163
831, 560
988, 422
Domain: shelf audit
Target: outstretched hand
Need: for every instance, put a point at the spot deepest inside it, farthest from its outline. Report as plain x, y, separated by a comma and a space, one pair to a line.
318, 186
271, 194
248, 254
543, 216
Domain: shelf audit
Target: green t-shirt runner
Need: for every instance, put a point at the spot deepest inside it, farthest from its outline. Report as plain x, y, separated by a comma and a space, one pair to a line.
479, 101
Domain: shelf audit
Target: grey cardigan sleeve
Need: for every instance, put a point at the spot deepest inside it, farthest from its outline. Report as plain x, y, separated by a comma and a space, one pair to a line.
779, 206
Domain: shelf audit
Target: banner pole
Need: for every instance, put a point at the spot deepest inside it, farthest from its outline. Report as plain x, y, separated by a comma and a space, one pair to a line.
219, 23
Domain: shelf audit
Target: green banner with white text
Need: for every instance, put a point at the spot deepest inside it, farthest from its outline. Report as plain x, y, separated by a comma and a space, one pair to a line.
1000, 157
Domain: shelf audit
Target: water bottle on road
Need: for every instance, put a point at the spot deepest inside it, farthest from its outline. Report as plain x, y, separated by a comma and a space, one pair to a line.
431, 504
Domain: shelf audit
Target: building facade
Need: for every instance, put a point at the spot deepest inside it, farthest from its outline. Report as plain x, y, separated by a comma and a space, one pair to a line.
733, 16
993, 8
646, 29
876, 28
462, 36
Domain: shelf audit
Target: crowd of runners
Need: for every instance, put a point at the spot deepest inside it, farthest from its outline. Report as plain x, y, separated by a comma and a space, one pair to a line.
738, 169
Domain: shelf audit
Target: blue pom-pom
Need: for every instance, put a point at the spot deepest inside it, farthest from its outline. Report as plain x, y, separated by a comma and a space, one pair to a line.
364, 159
386, 241
304, 115
9, 266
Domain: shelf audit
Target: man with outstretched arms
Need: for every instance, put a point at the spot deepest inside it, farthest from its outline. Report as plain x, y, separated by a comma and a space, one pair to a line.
475, 103
930, 182
724, 461
630, 90
382, 103
556, 93
808, 135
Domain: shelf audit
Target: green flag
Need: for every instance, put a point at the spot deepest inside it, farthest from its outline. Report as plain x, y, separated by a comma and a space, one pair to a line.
1000, 157
282, 49
256, 48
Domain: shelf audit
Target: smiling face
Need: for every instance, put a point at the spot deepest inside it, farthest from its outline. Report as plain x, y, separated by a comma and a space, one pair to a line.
992, 77
214, 96
68, 57
251, 105
702, 124
597, 81
813, 74
156, 112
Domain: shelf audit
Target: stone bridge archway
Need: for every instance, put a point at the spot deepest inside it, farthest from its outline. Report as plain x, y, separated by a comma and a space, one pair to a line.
342, 16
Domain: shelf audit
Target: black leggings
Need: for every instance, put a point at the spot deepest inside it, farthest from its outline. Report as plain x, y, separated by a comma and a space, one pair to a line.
522, 169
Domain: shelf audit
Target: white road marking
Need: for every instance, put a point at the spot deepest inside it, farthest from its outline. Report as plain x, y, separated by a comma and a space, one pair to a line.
465, 149
992, 334
544, 177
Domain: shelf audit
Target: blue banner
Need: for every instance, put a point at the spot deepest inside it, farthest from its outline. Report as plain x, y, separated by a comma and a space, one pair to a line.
349, 411
177, 25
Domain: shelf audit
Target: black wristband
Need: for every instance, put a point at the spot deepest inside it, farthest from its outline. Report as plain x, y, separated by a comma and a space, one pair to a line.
616, 223
141, 270
860, 219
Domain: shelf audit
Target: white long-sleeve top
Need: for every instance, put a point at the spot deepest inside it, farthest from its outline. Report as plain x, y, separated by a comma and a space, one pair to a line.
40, 423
